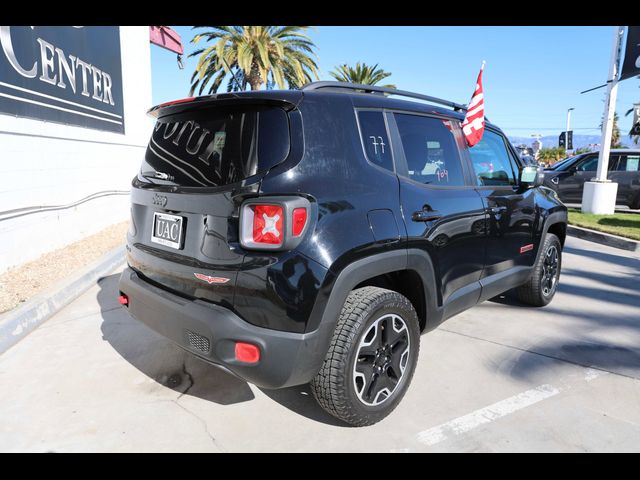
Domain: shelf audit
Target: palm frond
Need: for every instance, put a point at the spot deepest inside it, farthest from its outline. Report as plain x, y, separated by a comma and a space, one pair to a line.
281, 55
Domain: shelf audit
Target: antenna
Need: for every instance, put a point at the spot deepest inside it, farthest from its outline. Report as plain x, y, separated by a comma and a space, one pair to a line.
232, 74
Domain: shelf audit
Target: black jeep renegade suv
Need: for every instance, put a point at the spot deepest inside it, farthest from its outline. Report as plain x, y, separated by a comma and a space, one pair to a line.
312, 236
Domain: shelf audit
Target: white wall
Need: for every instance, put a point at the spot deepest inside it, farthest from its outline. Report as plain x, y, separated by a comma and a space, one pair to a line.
36, 169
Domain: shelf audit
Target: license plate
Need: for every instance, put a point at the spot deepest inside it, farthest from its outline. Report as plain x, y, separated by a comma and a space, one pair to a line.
167, 230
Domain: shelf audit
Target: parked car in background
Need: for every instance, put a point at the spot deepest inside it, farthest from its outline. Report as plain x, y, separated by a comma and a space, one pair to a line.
567, 176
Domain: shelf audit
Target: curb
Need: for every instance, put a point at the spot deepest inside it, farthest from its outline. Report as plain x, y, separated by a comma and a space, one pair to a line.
604, 238
18, 323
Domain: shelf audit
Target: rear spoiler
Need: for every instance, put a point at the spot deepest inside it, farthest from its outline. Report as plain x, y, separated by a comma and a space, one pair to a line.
223, 99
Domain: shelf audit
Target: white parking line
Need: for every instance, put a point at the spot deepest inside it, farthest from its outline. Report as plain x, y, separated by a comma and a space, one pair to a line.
486, 415
592, 373
495, 411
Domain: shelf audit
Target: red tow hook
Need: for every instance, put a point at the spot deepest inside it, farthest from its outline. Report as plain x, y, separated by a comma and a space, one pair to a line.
123, 299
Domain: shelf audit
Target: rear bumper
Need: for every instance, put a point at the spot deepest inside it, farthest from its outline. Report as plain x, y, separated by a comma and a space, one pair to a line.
210, 332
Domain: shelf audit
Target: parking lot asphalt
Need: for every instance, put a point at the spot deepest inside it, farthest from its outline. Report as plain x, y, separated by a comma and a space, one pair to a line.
498, 377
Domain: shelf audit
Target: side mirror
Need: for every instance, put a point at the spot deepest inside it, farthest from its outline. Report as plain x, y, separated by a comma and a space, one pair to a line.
531, 177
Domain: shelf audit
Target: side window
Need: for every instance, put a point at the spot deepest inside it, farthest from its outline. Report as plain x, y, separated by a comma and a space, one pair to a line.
590, 164
491, 161
628, 163
375, 139
430, 149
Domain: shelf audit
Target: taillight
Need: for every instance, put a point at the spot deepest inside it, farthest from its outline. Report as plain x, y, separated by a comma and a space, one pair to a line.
273, 223
267, 224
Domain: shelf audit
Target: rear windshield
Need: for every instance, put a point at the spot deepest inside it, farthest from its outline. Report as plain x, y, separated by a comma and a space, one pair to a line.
215, 146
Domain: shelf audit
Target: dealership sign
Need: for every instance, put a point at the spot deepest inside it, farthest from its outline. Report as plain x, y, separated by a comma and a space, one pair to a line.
69, 75
631, 63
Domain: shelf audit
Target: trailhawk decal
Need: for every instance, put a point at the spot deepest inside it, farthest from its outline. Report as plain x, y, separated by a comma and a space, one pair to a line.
526, 248
210, 280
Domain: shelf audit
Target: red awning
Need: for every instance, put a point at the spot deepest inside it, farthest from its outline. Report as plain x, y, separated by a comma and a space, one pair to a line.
167, 38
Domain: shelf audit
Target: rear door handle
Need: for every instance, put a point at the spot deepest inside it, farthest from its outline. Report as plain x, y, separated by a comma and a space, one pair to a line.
498, 210
425, 216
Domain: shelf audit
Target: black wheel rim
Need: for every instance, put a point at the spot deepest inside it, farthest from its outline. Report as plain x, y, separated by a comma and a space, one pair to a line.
381, 360
550, 270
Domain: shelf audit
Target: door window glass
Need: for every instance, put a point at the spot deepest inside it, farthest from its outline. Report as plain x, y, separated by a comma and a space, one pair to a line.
589, 165
430, 149
491, 161
628, 163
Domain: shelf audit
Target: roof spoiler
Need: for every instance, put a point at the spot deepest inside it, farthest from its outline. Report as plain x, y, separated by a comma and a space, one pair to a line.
223, 99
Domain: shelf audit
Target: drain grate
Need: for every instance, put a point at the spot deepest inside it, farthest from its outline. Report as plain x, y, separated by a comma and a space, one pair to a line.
198, 341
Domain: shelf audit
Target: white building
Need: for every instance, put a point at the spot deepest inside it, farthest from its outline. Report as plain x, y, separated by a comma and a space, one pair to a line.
73, 129
536, 145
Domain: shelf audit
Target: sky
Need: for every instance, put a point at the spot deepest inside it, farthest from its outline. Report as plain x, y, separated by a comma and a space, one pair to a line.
532, 74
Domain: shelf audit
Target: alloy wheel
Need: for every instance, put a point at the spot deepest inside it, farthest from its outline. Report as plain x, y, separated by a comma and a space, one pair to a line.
550, 270
381, 359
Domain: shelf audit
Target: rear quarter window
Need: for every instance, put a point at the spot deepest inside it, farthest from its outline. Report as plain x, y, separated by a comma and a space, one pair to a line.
375, 139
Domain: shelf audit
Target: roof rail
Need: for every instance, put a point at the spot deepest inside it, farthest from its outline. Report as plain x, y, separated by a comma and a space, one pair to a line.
391, 91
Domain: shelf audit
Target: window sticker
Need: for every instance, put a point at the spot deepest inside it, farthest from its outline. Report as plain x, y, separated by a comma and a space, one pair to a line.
632, 163
443, 175
218, 143
376, 143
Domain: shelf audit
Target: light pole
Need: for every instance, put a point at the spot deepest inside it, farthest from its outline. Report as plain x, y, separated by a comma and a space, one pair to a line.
566, 137
599, 194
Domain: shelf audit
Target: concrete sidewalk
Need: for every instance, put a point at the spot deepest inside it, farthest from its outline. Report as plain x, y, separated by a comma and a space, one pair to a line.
499, 377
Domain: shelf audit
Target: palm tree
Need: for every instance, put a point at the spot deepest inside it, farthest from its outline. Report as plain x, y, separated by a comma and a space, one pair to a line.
636, 137
615, 133
256, 54
549, 156
633, 136
362, 73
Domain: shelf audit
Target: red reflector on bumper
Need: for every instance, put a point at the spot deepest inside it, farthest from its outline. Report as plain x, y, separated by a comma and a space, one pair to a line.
247, 352
123, 299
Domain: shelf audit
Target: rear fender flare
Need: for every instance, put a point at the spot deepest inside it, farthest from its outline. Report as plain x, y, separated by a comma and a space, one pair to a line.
372, 266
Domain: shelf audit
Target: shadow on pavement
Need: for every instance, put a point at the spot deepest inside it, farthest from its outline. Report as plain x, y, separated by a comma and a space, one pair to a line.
175, 368
613, 358
624, 259
601, 334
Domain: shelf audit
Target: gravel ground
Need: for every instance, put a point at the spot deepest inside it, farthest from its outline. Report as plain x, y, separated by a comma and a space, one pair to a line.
20, 283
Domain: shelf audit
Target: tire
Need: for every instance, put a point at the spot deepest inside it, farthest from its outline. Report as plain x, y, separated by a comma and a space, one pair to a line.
543, 283
365, 393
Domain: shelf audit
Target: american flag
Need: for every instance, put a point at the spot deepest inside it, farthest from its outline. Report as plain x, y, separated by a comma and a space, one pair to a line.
473, 124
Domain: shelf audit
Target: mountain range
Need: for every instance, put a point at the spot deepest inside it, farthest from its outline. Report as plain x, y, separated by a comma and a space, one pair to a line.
579, 141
